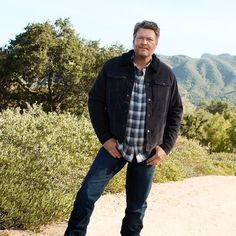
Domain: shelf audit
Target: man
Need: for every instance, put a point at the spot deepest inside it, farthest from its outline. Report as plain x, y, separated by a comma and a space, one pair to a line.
135, 109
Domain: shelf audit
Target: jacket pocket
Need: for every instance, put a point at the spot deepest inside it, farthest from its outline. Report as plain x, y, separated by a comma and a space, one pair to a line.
161, 83
116, 87
116, 82
161, 91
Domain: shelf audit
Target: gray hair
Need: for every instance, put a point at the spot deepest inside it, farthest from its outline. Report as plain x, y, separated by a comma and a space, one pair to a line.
146, 25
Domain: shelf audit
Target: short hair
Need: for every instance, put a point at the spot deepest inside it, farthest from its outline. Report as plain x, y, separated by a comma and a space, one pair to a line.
147, 25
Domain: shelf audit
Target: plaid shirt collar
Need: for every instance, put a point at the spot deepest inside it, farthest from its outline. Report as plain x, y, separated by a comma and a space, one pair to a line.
137, 71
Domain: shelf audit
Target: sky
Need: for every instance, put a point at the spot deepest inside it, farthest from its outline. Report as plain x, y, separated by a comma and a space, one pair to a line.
188, 27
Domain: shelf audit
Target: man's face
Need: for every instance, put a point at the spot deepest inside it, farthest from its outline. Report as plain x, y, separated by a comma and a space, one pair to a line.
145, 42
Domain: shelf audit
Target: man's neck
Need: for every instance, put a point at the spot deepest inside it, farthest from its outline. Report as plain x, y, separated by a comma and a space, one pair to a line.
141, 62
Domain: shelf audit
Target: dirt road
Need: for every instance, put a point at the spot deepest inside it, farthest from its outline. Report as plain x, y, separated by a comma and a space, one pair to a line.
200, 206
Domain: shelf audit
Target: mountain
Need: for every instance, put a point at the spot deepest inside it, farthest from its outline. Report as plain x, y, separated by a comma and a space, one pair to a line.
211, 77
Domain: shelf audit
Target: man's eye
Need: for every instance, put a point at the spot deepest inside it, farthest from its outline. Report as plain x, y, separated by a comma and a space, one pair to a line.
146, 39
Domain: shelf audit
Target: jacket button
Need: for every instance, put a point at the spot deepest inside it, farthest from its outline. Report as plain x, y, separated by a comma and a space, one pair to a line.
149, 99
148, 131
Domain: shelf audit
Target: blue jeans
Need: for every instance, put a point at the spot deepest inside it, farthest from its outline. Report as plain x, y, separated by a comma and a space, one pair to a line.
138, 185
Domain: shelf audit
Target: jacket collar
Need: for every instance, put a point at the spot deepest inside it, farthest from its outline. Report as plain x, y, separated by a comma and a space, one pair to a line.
127, 59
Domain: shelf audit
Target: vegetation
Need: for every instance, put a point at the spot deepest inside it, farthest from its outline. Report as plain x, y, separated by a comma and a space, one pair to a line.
213, 125
47, 142
44, 158
207, 78
49, 64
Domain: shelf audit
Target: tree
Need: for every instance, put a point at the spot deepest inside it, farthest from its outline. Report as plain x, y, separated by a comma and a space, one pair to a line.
232, 133
43, 63
218, 106
215, 134
192, 124
50, 64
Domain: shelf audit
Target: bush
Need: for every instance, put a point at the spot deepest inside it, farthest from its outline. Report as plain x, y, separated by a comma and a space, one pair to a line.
189, 159
225, 163
43, 159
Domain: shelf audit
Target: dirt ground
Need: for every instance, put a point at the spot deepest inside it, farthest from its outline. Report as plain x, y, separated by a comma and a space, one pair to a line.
199, 206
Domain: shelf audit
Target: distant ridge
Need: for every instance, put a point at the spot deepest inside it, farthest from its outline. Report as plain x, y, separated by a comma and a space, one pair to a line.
209, 77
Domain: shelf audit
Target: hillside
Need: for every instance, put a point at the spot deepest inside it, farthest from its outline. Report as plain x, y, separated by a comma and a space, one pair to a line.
207, 78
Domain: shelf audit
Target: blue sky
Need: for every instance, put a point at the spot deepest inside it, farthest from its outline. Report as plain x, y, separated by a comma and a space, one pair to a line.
188, 27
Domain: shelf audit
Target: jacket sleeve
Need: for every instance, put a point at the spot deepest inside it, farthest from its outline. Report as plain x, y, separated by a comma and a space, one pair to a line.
173, 121
97, 108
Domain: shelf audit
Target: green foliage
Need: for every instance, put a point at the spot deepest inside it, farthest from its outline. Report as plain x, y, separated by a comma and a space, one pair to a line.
189, 159
232, 133
44, 157
217, 106
207, 78
193, 123
50, 64
224, 163
213, 125
43, 160
215, 135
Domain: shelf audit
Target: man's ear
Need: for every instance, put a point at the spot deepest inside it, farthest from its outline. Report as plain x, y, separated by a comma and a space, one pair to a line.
157, 40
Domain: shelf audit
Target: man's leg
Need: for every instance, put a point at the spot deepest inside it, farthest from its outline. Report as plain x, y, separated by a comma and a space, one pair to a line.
102, 170
138, 185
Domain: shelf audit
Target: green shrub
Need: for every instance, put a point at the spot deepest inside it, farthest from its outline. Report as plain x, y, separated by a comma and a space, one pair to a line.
225, 163
43, 159
189, 159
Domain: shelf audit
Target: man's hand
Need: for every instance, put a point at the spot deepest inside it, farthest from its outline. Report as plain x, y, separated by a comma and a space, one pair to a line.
110, 146
158, 157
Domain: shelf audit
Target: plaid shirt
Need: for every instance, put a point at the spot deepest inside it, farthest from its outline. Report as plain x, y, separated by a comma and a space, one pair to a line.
134, 144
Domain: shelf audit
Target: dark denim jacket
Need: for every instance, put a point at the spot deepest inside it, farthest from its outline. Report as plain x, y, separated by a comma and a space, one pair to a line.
110, 96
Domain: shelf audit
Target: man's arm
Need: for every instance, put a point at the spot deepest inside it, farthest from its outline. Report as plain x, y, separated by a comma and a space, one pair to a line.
98, 114
171, 129
173, 121
97, 108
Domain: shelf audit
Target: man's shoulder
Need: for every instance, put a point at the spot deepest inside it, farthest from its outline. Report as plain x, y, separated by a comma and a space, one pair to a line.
120, 59
164, 71
165, 66
114, 60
